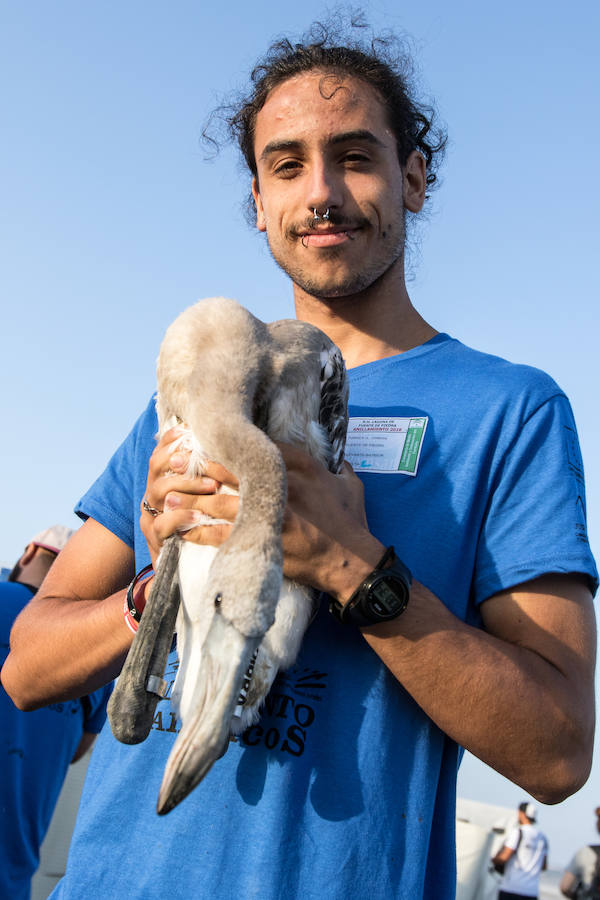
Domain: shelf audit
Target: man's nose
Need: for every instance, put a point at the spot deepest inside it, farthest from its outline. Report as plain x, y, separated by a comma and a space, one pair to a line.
324, 189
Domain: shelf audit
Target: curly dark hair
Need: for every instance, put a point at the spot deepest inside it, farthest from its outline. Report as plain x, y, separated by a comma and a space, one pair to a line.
382, 62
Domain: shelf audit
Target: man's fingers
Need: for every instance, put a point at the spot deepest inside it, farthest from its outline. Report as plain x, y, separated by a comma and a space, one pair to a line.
220, 473
191, 525
172, 434
173, 521
166, 447
167, 459
218, 506
211, 535
188, 514
155, 499
180, 485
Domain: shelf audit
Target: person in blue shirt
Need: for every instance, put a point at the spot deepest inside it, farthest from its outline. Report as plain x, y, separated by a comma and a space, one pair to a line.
37, 747
467, 465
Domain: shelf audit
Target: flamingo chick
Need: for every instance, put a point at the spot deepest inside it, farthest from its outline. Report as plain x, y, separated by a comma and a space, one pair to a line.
238, 385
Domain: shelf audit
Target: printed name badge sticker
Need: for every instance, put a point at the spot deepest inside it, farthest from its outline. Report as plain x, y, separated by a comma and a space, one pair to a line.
387, 445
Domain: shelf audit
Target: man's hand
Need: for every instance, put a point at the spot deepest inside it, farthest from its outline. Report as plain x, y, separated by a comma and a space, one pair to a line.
185, 503
326, 540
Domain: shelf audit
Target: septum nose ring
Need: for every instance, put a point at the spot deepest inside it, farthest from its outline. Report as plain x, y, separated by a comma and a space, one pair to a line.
318, 218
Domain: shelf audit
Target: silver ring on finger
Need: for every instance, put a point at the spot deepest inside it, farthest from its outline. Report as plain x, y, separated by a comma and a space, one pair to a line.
151, 509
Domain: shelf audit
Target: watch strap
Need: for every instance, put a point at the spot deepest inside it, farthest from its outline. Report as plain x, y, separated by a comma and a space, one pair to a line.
351, 613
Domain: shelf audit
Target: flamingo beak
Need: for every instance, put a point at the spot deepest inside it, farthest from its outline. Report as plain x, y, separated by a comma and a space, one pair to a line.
205, 736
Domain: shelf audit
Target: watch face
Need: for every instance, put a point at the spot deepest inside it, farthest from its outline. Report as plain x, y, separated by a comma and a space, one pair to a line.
387, 598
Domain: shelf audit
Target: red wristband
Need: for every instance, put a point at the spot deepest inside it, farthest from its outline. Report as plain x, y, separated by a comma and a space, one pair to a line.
135, 600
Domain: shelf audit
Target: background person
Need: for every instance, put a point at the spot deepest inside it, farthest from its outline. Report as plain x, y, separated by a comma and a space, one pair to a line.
35, 747
581, 878
524, 855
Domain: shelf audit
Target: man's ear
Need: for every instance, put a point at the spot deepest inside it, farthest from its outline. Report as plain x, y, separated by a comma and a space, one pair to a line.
260, 213
415, 181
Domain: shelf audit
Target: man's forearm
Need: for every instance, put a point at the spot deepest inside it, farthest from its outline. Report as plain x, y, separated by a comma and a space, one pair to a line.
62, 649
509, 705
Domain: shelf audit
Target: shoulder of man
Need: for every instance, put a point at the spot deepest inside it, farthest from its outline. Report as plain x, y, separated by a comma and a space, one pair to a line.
513, 838
514, 375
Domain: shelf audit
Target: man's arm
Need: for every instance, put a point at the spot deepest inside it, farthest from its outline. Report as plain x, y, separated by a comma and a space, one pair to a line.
519, 695
503, 855
71, 638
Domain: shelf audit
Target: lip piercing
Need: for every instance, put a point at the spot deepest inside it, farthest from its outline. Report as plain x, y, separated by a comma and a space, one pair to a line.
318, 218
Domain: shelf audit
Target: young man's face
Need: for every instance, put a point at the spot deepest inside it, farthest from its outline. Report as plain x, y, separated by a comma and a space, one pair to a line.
322, 142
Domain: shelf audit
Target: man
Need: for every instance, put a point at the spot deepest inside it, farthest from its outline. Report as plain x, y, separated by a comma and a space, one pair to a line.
346, 787
581, 878
523, 856
35, 747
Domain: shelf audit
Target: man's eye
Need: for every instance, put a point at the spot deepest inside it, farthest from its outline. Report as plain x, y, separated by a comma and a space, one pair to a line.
355, 157
287, 168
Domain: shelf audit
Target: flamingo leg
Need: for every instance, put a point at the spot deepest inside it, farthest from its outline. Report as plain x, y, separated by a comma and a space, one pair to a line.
140, 685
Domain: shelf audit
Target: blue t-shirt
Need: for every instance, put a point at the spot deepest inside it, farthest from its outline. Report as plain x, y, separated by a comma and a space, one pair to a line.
345, 788
35, 751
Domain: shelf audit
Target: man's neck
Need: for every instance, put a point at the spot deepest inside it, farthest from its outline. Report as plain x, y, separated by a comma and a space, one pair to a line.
372, 325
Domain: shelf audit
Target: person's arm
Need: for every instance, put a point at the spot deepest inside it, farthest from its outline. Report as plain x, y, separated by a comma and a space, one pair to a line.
503, 856
518, 695
569, 884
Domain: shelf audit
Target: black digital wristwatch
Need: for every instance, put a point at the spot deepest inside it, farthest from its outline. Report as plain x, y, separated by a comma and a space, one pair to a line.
382, 596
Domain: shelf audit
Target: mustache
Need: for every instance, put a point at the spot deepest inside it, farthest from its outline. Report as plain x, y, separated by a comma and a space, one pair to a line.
299, 229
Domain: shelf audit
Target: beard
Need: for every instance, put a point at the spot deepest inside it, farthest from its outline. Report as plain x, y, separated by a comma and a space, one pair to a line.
331, 288
348, 280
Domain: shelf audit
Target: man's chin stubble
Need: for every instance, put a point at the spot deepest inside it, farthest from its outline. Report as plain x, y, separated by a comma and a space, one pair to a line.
336, 290
355, 284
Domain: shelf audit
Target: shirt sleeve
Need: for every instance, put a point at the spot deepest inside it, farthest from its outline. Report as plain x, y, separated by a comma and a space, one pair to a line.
113, 498
536, 519
512, 841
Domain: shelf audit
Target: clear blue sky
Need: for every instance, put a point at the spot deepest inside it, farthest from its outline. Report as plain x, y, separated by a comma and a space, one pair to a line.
112, 223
